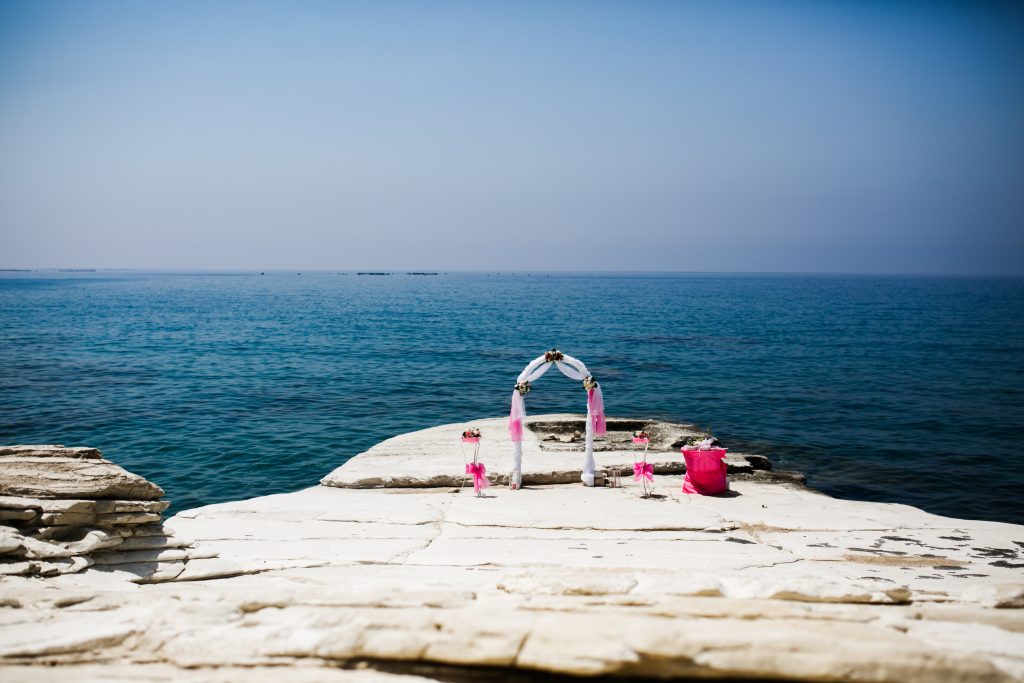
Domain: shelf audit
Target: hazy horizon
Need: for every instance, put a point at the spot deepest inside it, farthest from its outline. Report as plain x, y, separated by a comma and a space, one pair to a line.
717, 137
452, 271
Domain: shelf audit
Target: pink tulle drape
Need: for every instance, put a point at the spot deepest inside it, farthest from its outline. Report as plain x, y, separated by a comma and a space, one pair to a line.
515, 417
596, 404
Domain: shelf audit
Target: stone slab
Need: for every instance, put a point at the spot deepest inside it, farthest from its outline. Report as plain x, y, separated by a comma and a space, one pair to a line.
63, 477
436, 457
772, 581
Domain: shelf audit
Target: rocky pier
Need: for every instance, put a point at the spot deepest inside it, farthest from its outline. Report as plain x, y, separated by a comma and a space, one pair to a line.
392, 569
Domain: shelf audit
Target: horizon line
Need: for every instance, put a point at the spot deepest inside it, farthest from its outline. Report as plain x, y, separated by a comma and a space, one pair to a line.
439, 272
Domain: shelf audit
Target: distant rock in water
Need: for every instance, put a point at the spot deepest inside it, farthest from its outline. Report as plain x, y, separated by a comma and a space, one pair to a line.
65, 509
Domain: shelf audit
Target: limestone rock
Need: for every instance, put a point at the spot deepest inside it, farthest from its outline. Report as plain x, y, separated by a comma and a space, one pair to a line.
772, 582
65, 509
59, 476
57, 505
17, 515
50, 451
434, 457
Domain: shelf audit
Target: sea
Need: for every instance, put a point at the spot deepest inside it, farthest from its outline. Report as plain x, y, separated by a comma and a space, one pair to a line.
226, 385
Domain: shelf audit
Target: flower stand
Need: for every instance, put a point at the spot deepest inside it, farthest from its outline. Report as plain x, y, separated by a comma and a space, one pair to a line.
474, 468
643, 471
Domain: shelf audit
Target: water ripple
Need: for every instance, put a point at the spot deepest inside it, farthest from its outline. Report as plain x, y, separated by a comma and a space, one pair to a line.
226, 386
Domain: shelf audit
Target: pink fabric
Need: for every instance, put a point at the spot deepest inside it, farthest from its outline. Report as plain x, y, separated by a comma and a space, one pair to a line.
636, 440
478, 471
643, 469
515, 417
705, 471
596, 404
471, 439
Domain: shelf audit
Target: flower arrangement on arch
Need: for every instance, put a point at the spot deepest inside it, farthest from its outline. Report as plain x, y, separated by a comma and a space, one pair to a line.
523, 388
553, 355
589, 383
471, 433
641, 434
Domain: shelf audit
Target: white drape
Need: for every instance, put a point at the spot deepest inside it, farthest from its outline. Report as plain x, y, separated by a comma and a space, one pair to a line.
572, 368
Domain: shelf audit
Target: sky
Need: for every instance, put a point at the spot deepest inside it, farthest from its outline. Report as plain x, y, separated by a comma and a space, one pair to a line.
859, 137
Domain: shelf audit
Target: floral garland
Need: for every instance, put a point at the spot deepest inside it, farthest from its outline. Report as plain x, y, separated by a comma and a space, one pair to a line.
523, 388
589, 383
471, 433
553, 355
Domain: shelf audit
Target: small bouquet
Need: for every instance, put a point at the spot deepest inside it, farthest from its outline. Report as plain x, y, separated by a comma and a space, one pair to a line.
471, 435
641, 437
523, 388
702, 442
553, 355
589, 383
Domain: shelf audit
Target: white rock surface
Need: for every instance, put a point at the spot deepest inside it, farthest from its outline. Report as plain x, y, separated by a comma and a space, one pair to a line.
437, 457
772, 581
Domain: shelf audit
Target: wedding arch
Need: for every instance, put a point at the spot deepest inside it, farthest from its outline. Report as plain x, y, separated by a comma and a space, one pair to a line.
573, 369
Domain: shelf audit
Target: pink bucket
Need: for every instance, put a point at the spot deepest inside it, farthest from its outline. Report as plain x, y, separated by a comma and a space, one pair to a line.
705, 471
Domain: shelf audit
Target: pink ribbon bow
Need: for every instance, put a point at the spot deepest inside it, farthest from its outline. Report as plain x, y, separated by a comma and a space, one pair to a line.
478, 471
643, 469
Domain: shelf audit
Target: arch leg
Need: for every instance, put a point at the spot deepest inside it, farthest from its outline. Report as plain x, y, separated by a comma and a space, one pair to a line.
516, 476
589, 466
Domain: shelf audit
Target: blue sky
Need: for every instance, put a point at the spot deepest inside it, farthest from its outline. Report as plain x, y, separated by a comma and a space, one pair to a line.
710, 136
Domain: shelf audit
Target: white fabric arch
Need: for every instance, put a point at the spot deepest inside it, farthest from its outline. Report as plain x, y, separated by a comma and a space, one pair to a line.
572, 368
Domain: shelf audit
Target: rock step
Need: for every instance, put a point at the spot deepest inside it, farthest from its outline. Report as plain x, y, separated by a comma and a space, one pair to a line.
81, 542
736, 464
61, 477
57, 505
135, 556
51, 451
152, 543
85, 519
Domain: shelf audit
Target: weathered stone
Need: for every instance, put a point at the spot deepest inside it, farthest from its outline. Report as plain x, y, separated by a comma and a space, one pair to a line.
127, 672
10, 540
63, 477
139, 556
119, 506
127, 518
17, 515
50, 451
67, 519
70, 505
152, 542
203, 569
58, 506
143, 530
85, 541
52, 566
144, 572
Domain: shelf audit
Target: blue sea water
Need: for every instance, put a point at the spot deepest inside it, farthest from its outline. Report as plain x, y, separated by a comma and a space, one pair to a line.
221, 386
